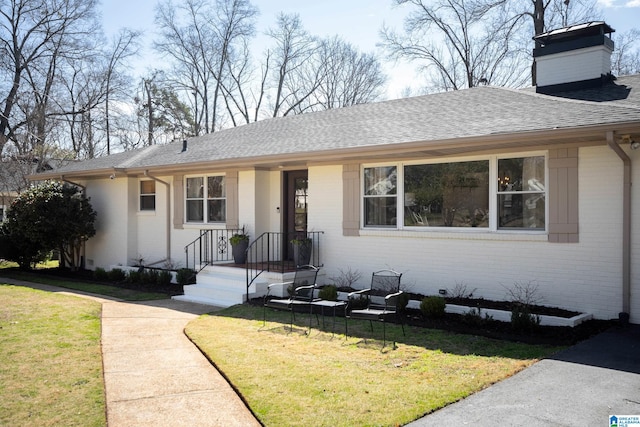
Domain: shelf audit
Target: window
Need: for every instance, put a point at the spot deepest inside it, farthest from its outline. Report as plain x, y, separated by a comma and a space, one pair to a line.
457, 194
521, 193
447, 194
380, 204
213, 207
147, 195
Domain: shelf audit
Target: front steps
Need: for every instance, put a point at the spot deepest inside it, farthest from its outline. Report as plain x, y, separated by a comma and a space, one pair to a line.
224, 286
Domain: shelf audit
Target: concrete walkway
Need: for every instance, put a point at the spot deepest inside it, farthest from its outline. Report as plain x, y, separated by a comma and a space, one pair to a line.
154, 375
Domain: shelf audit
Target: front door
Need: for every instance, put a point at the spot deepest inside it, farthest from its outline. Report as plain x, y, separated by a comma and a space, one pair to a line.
295, 206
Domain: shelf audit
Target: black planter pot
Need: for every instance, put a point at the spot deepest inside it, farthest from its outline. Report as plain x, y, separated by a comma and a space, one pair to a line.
239, 252
302, 253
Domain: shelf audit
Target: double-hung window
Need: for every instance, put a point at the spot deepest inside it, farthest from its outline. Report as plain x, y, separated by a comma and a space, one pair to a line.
147, 195
462, 194
206, 199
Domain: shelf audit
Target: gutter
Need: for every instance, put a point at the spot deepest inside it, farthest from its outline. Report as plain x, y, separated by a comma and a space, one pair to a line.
84, 188
168, 187
626, 226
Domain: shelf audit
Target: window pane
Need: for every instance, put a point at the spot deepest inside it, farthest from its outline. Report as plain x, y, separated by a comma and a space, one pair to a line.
195, 188
216, 210
147, 187
525, 211
380, 181
215, 187
521, 174
148, 203
447, 195
380, 211
194, 210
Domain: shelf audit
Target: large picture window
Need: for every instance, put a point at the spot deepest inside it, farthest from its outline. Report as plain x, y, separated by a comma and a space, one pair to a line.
457, 194
206, 199
447, 194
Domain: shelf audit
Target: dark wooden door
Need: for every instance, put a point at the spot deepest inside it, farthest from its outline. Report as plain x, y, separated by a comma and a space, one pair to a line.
295, 206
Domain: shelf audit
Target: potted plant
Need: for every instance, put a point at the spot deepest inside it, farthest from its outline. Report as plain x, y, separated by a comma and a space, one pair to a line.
239, 244
302, 250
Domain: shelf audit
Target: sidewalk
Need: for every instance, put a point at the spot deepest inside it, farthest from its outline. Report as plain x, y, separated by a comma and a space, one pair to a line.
153, 374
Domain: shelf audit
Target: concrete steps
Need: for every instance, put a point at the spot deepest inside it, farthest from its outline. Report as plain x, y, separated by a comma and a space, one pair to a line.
224, 286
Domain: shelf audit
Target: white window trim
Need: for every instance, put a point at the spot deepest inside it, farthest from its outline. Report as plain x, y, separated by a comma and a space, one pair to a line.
204, 222
493, 199
140, 194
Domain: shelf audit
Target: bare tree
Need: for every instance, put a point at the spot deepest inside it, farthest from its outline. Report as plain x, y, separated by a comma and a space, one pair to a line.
464, 43
34, 35
626, 56
202, 37
351, 77
292, 51
124, 45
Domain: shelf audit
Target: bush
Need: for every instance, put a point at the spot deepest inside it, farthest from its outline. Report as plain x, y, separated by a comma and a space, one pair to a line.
149, 276
357, 302
185, 276
134, 276
474, 317
117, 275
432, 306
523, 321
329, 293
101, 274
164, 278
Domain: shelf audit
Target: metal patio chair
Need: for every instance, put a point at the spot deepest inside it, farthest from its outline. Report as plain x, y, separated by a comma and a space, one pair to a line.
383, 301
302, 293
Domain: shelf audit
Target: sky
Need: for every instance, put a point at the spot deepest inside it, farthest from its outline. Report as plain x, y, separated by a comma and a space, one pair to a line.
356, 21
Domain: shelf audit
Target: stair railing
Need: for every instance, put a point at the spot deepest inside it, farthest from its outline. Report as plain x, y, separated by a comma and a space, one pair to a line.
272, 252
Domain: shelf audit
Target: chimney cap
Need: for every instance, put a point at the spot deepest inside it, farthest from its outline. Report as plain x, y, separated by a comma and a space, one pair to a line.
586, 29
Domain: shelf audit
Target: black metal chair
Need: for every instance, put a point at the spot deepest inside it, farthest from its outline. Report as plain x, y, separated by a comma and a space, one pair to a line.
383, 301
302, 293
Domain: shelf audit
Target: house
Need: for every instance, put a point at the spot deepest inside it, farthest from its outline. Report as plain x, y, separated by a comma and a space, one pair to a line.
485, 188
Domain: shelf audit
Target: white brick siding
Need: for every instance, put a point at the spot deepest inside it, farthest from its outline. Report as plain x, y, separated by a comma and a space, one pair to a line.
586, 276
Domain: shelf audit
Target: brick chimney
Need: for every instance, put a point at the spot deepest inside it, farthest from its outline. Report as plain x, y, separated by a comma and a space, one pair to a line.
575, 57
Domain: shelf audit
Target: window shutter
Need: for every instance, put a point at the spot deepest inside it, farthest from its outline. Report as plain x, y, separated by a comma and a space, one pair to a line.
563, 195
351, 200
233, 201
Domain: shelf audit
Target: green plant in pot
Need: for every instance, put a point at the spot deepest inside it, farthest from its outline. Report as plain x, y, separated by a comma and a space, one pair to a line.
302, 250
239, 244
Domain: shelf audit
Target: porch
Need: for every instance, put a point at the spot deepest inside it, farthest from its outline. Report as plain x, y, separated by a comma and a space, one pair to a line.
222, 282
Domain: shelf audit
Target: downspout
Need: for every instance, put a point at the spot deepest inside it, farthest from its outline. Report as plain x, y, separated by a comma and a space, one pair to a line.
626, 226
168, 187
84, 247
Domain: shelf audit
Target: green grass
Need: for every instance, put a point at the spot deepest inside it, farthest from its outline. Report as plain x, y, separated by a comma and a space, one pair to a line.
294, 379
94, 288
50, 359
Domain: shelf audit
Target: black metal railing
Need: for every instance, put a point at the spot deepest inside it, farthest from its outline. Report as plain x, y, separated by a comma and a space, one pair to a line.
210, 247
281, 252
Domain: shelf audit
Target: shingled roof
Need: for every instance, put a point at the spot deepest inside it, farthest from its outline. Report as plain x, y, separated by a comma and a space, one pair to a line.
428, 121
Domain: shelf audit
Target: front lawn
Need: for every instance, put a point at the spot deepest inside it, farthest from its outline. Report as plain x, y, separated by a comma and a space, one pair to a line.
50, 359
294, 379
